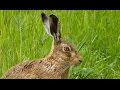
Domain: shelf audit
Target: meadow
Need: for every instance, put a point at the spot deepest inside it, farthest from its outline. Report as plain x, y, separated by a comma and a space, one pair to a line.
95, 33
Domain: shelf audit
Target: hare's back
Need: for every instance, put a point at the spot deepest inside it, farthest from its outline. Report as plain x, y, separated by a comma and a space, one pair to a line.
22, 70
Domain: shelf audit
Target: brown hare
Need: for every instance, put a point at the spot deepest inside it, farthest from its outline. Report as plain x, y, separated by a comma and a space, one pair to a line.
56, 65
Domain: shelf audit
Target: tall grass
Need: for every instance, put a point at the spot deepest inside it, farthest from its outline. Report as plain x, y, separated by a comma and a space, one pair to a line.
94, 32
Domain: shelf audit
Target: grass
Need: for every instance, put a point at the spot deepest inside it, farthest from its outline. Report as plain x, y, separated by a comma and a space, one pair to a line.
95, 32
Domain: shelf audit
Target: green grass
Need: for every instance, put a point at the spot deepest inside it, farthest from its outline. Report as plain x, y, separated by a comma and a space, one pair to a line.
95, 32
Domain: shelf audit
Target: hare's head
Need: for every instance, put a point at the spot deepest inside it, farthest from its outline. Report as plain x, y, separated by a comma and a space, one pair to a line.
61, 49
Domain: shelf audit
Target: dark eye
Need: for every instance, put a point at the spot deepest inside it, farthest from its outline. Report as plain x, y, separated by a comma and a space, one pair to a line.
67, 49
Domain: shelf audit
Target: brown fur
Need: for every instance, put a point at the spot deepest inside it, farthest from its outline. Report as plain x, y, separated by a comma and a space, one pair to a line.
55, 66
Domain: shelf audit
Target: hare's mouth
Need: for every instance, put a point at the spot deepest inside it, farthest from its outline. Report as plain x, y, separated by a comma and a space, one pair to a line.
77, 64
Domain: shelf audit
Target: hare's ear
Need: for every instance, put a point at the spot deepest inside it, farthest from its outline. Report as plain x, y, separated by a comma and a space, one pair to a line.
46, 22
51, 24
55, 28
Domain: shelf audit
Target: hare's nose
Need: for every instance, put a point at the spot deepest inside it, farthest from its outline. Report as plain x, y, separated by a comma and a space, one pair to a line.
80, 61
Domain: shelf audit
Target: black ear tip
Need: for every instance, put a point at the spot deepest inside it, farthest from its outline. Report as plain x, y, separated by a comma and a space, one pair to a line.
53, 17
43, 15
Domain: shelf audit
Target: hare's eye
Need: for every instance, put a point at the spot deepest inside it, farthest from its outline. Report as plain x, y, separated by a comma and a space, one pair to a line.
67, 49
